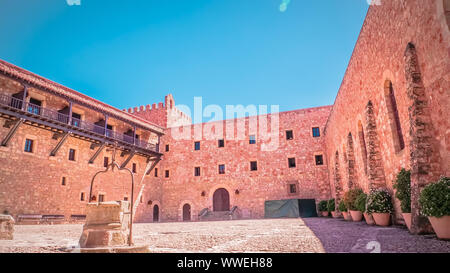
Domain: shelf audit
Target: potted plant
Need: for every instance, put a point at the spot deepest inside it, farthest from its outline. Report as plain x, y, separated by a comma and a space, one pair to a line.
435, 203
402, 185
379, 204
360, 204
350, 201
332, 208
343, 208
323, 208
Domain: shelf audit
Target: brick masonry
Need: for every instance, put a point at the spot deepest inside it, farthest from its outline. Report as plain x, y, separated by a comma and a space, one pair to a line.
391, 111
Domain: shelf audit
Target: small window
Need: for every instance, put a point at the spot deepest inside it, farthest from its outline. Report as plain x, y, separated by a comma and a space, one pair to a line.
101, 198
167, 148
289, 135
63, 181
167, 173
253, 166
319, 160
28, 145
291, 162
125, 198
82, 196
292, 188
156, 172
222, 169
197, 145
141, 200
316, 132
197, 171
252, 139
106, 162
72, 155
134, 168
221, 143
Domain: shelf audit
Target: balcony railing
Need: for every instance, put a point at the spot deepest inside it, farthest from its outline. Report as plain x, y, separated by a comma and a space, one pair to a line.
55, 116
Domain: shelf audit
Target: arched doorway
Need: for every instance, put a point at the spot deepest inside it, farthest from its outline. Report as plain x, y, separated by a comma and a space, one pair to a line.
187, 212
221, 200
155, 213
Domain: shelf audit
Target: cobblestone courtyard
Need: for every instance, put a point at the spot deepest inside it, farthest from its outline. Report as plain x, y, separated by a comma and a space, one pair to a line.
275, 235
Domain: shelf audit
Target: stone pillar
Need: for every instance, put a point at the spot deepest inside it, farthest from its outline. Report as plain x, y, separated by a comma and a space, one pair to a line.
350, 161
107, 224
374, 161
6, 227
423, 169
337, 181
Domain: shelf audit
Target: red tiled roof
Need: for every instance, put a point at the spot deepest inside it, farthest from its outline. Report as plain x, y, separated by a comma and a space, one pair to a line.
34, 79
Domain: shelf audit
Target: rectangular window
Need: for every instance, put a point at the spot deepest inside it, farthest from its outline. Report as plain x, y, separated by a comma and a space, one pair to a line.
291, 162
292, 188
125, 198
253, 166
197, 171
197, 145
156, 172
101, 198
167, 148
106, 162
319, 160
252, 139
221, 143
167, 173
316, 132
28, 145
82, 196
134, 168
141, 200
221, 169
63, 181
289, 135
72, 155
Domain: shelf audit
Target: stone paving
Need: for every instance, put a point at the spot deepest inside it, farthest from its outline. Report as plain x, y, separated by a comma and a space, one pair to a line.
316, 235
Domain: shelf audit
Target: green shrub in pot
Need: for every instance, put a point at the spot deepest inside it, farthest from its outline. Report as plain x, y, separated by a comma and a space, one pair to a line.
435, 203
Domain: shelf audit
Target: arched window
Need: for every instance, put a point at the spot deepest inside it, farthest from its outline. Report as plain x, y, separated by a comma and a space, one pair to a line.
362, 144
447, 11
394, 119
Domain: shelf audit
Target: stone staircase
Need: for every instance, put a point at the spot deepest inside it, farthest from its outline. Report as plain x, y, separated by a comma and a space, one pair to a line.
207, 215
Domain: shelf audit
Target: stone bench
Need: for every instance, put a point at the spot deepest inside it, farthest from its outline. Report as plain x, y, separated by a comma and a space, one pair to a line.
53, 219
6, 227
29, 219
74, 218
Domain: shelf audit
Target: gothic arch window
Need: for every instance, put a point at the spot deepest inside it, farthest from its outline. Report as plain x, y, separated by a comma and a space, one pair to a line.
394, 119
362, 144
447, 11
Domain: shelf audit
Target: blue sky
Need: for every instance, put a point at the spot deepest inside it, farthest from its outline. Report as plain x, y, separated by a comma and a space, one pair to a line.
131, 53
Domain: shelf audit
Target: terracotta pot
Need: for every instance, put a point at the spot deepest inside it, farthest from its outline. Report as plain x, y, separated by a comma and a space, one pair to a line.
369, 219
324, 213
335, 214
441, 226
382, 219
407, 218
356, 215
347, 216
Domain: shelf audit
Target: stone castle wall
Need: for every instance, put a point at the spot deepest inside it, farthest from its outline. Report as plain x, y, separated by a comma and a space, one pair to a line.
248, 189
404, 46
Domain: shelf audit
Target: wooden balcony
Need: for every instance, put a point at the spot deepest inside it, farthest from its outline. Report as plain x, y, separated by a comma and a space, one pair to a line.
17, 111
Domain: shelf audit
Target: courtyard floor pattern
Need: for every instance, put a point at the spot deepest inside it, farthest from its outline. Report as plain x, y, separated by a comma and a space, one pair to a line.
310, 235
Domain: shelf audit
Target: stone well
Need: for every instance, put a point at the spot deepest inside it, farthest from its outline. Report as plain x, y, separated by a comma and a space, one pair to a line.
107, 225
